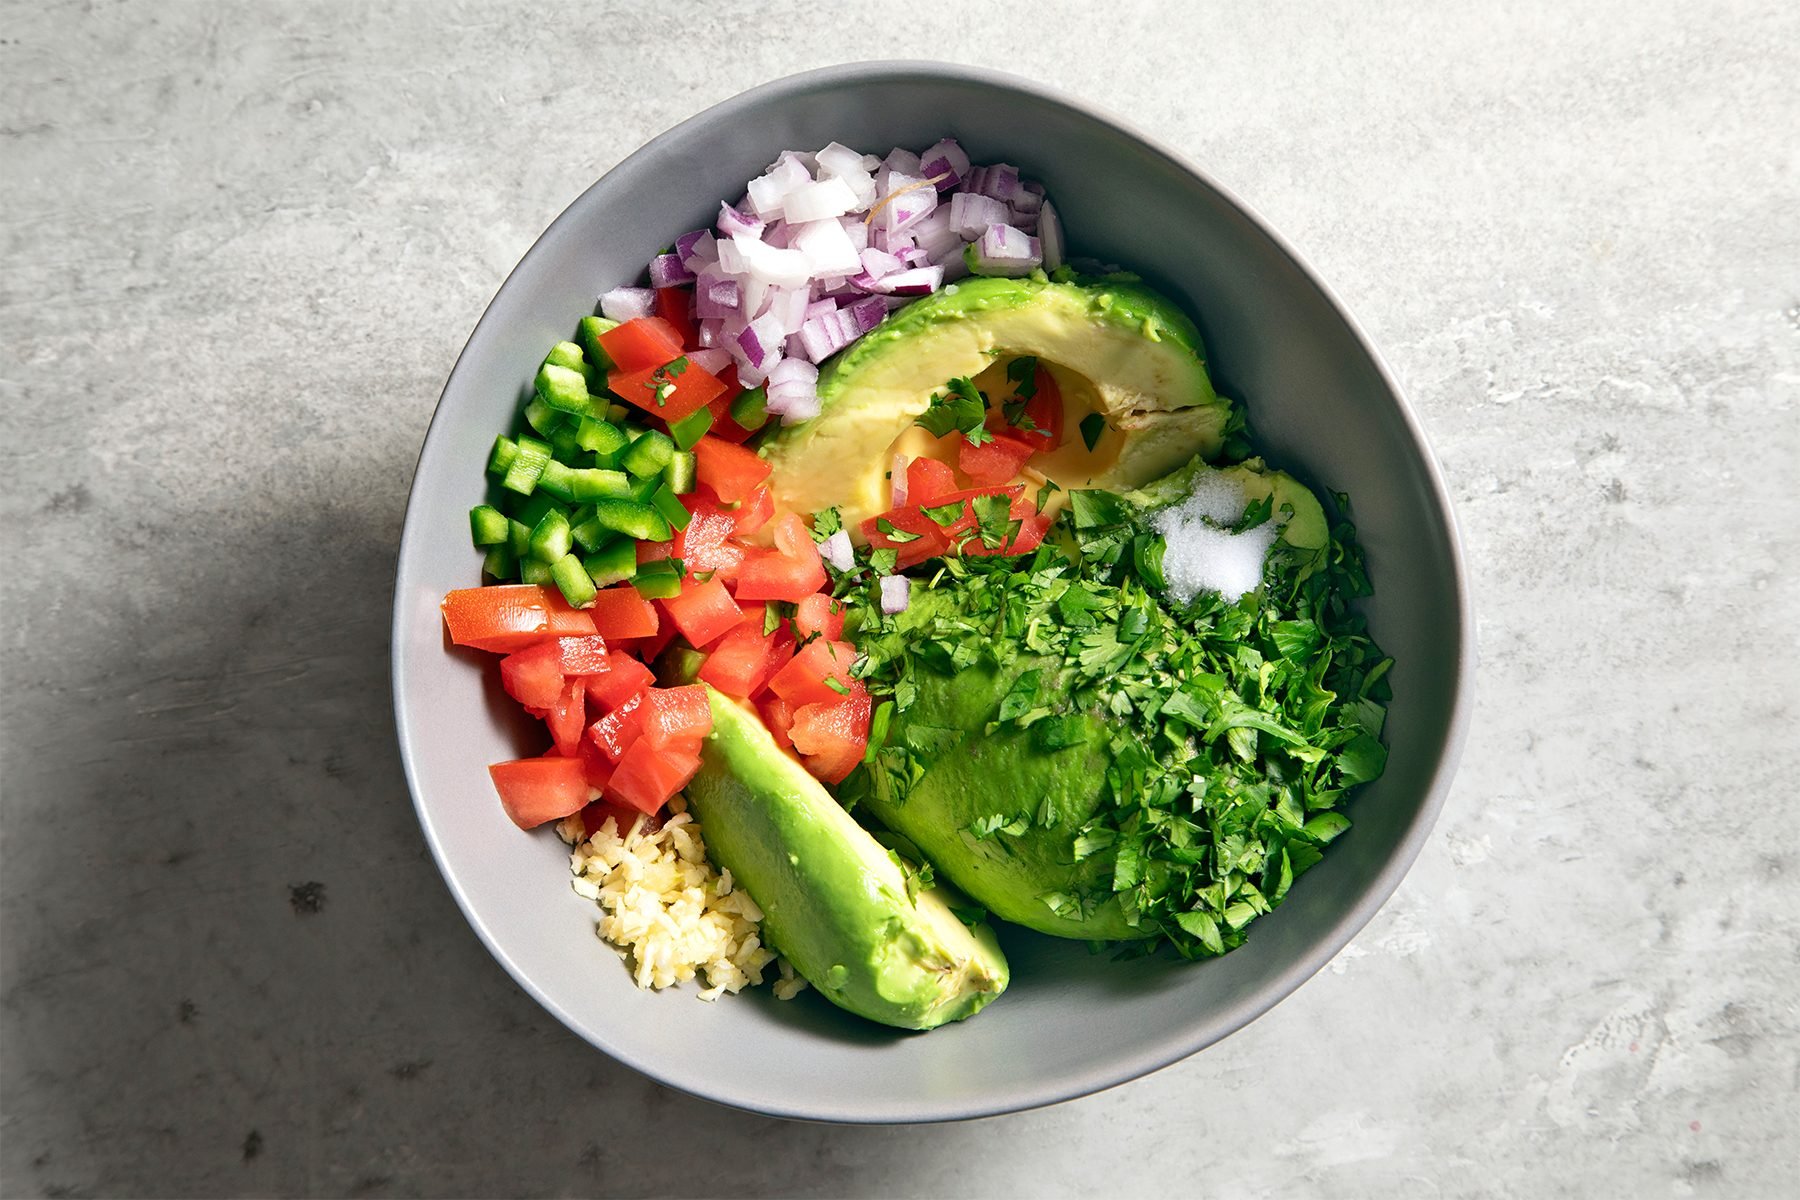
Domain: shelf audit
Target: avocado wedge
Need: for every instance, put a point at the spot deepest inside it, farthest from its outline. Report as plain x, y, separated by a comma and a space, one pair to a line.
1115, 347
834, 902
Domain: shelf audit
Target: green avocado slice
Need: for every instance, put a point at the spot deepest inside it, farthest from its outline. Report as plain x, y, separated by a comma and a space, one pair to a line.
1125, 351
834, 901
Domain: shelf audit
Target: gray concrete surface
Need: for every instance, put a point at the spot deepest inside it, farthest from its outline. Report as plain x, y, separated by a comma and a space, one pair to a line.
243, 244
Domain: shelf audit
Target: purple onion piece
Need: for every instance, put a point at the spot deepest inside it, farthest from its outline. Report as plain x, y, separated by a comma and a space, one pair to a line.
867, 313
1050, 234
919, 281
709, 360
1004, 250
732, 223
838, 551
667, 270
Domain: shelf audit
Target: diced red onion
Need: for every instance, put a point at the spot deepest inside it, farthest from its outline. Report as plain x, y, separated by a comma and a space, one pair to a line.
789, 307
1004, 250
911, 202
918, 281
838, 551
944, 158
830, 197
828, 248
1050, 235
709, 360
1024, 200
717, 294
1026, 221
774, 265
897, 480
867, 313
1001, 181
819, 308
778, 235
627, 303
732, 223
759, 342
769, 192
896, 593
667, 270
954, 265
793, 390
914, 256
971, 214
712, 333
877, 263
821, 337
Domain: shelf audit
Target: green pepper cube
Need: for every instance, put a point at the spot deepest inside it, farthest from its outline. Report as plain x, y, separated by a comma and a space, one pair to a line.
533, 571
487, 525
573, 581
613, 563
505, 450
658, 580
668, 504
564, 389
527, 466
588, 334
633, 519
688, 431
501, 563
543, 419
594, 483
550, 540
518, 538
649, 454
602, 437
682, 473
751, 408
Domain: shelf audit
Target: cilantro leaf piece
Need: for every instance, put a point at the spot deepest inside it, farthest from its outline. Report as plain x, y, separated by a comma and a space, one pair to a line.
959, 408
1092, 426
946, 514
894, 533
993, 519
826, 523
1022, 371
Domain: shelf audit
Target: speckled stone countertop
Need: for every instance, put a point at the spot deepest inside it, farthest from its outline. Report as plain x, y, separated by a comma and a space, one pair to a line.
242, 245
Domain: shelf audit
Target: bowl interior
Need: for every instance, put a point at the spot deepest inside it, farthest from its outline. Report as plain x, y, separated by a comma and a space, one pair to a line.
1072, 1022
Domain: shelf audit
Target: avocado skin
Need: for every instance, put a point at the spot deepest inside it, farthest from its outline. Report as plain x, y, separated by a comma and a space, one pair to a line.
978, 774
834, 902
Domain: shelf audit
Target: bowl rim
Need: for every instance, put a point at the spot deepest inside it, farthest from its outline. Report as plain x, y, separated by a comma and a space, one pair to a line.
1348, 922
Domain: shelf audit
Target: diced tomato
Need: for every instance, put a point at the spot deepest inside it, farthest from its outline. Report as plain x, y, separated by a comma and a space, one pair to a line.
933, 539
688, 390
791, 571
533, 676
755, 512
676, 714
705, 544
676, 306
593, 818
648, 776
620, 613
704, 612
832, 736
808, 678
624, 678
617, 730
732, 472
581, 655
598, 767
742, 661
927, 479
567, 718
535, 790
819, 615
778, 715
642, 344
723, 426
509, 617
1044, 411
655, 551
995, 462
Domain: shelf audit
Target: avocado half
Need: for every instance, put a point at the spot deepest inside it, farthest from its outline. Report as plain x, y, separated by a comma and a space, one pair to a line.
834, 901
1029, 873
1125, 351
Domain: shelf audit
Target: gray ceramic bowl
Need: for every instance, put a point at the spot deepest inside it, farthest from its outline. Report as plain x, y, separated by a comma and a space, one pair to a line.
1321, 404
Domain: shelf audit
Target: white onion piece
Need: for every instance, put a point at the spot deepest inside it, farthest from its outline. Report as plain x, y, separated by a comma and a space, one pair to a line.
827, 247
733, 221
712, 361
838, 551
897, 480
769, 193
1004, 250
1050, 235
830, 197
627, 303
896, 593
971, 214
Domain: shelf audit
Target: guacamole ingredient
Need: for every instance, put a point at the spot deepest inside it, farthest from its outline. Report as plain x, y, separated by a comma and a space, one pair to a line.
823, 244
834, 902
669, 912
1112, 347
1087, 754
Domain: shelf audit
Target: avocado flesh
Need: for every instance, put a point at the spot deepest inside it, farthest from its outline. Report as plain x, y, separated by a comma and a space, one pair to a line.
1130, 353
972, 775
834, 901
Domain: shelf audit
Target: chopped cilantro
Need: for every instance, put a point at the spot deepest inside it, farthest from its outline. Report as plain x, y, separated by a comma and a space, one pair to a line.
894, 533
1092, 426
959, 408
